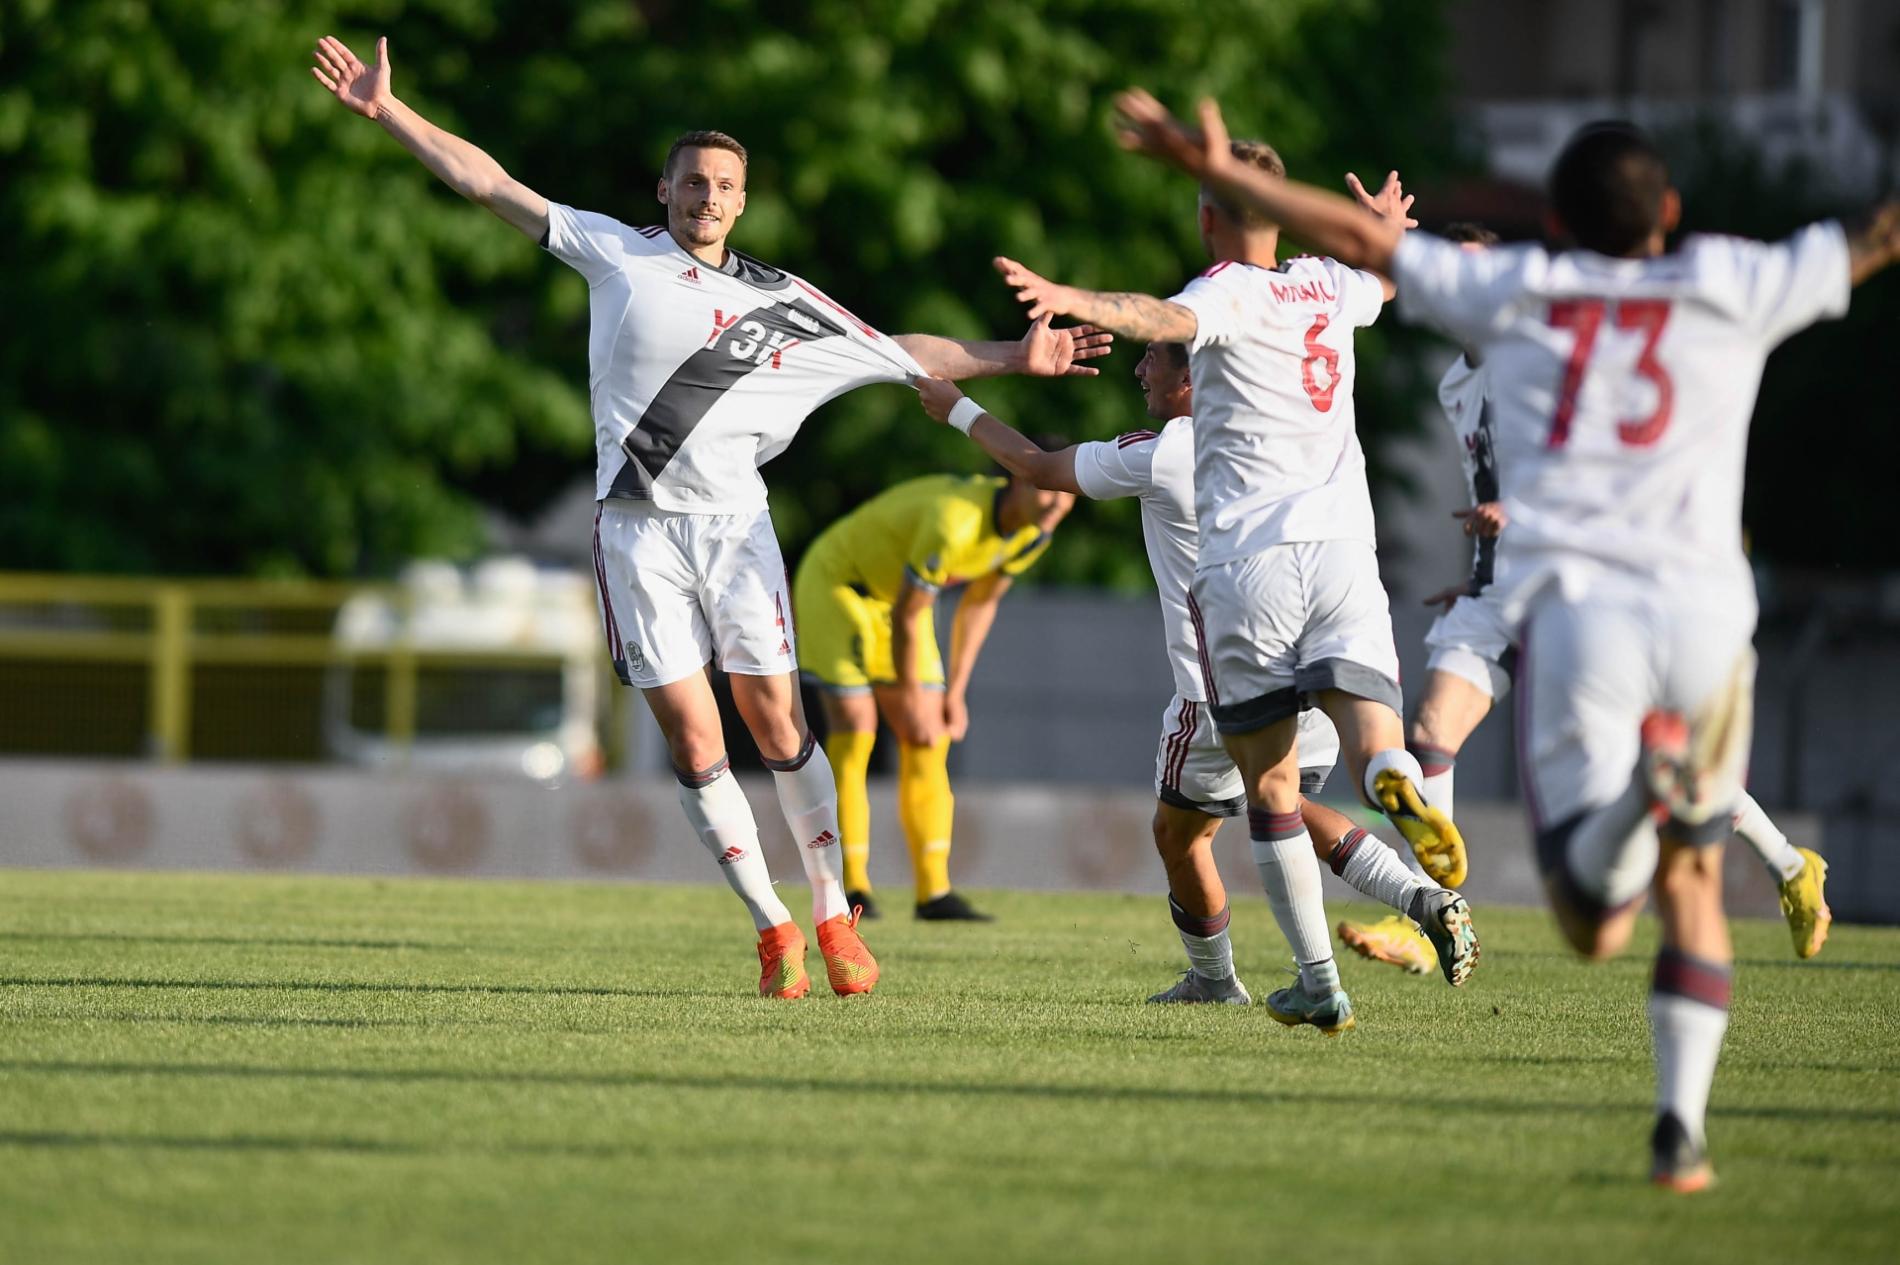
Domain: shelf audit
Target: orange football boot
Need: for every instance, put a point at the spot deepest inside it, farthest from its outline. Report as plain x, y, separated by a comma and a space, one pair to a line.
848, 963
782, 962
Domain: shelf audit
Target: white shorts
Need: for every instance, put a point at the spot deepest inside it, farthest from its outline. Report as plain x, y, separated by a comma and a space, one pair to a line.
1193, 771
1289, 621
679, 591
1592, 666
1473, 642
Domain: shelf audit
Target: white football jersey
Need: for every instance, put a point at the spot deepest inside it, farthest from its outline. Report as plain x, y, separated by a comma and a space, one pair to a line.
700, 375
1158, 468
1461, 395
1621, 389
1277, 457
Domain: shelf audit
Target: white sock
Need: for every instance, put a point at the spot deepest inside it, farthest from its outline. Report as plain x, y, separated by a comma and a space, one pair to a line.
1210, 952
718, 811
1290, 873
1374, 868
1688, 1015
1761, 834
1612, 853
1437, 767
808, 797
1393, 758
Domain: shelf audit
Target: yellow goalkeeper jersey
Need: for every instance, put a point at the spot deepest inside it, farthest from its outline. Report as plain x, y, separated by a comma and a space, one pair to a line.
935, 531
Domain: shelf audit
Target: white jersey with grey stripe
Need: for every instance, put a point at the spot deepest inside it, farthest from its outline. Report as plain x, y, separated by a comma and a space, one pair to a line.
1461, 396
1158, 468
700, 375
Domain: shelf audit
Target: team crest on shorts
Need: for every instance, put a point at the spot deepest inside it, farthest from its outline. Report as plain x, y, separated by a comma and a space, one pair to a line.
635, 660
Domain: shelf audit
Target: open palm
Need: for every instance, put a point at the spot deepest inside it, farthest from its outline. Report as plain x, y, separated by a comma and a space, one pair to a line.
361, 88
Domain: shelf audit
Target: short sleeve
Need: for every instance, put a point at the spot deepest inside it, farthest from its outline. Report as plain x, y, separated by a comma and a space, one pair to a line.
1361, 296
1217, 306
1789, 285
1112, 468
591, 244
1467, 294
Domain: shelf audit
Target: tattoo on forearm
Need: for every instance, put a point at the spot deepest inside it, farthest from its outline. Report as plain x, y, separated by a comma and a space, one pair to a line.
1139, 316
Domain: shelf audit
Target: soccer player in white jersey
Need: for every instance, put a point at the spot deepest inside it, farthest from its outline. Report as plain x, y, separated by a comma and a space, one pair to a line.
1474, 656
1622, 375
1287, 582
1196, 782
703, 363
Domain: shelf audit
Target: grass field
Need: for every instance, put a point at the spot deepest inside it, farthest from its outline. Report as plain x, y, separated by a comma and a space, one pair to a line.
299, 1069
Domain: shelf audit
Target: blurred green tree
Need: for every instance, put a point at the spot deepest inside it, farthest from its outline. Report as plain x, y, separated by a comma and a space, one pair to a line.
247, 333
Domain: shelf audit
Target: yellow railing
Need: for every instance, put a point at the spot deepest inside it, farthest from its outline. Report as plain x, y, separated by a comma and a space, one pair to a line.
68, 618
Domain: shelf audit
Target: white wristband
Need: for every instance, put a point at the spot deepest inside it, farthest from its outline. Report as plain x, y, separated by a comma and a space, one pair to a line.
963, 414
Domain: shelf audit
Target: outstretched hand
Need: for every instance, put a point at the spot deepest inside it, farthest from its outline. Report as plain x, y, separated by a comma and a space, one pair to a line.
1058, 353
1487, 519
1143, 124
362, 89
1392, 202
938, 396
1448, 598
1044, 297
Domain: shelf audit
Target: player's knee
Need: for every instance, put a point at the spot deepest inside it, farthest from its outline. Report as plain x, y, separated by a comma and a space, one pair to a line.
1687, 873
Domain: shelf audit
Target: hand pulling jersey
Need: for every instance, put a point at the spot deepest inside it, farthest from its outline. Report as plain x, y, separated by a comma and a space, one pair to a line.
697, 375
1277, 457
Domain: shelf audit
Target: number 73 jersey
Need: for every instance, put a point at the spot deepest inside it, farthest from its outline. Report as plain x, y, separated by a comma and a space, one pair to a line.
1621, 389
699, 375
1276, 452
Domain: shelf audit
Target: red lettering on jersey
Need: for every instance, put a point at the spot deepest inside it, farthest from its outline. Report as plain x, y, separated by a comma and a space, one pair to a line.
1586, 317
1303, 292
1318, 353
827, 300
721, 323
778, 353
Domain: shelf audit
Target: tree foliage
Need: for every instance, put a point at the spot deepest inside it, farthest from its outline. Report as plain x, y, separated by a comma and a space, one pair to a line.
246, 332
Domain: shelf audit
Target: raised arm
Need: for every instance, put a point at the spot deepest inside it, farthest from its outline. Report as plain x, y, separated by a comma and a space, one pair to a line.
1014, 451
463, 167
1139, 316
1042, 352
1330, 224
1876, 245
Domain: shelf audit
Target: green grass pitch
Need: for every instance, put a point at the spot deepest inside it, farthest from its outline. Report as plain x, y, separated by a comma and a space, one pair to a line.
214, 1069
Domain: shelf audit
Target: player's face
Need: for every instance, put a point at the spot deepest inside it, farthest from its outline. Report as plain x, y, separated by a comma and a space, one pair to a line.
704, 193
1165, 388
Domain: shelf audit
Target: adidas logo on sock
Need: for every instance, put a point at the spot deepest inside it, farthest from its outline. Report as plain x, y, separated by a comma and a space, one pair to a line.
824, 840
732, 855
691, 274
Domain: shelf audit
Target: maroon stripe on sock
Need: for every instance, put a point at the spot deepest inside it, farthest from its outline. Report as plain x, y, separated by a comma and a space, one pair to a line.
1194, 924
1698, 979
798, 761
1433, 760
704, 777
1343, 850
1262, 824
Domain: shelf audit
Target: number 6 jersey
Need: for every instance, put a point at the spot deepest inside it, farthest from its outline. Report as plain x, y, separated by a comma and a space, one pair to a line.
1276, 454
699, 375
1621, 389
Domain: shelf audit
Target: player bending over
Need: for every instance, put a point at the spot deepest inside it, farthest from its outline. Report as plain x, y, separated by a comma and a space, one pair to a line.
703, 364
1286, 586
1474, 656
865, 594
1196, 782
1623, 376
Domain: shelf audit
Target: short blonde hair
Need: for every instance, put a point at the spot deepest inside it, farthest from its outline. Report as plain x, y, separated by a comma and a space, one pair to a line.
1254, 154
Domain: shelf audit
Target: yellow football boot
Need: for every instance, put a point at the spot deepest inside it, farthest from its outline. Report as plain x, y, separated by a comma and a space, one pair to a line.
1804, 905
1435, 841
1393, 939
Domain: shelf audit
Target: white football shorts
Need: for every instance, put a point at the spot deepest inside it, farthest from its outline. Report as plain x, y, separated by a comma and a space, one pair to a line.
1282, 624
679, 591
1193, 771
1592, 666
1473, 642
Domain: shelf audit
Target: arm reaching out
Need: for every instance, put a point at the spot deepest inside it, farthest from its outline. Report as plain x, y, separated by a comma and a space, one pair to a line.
463, 167
1015, 452
1330, 224
1042, 352
1139, 316
1876, 246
